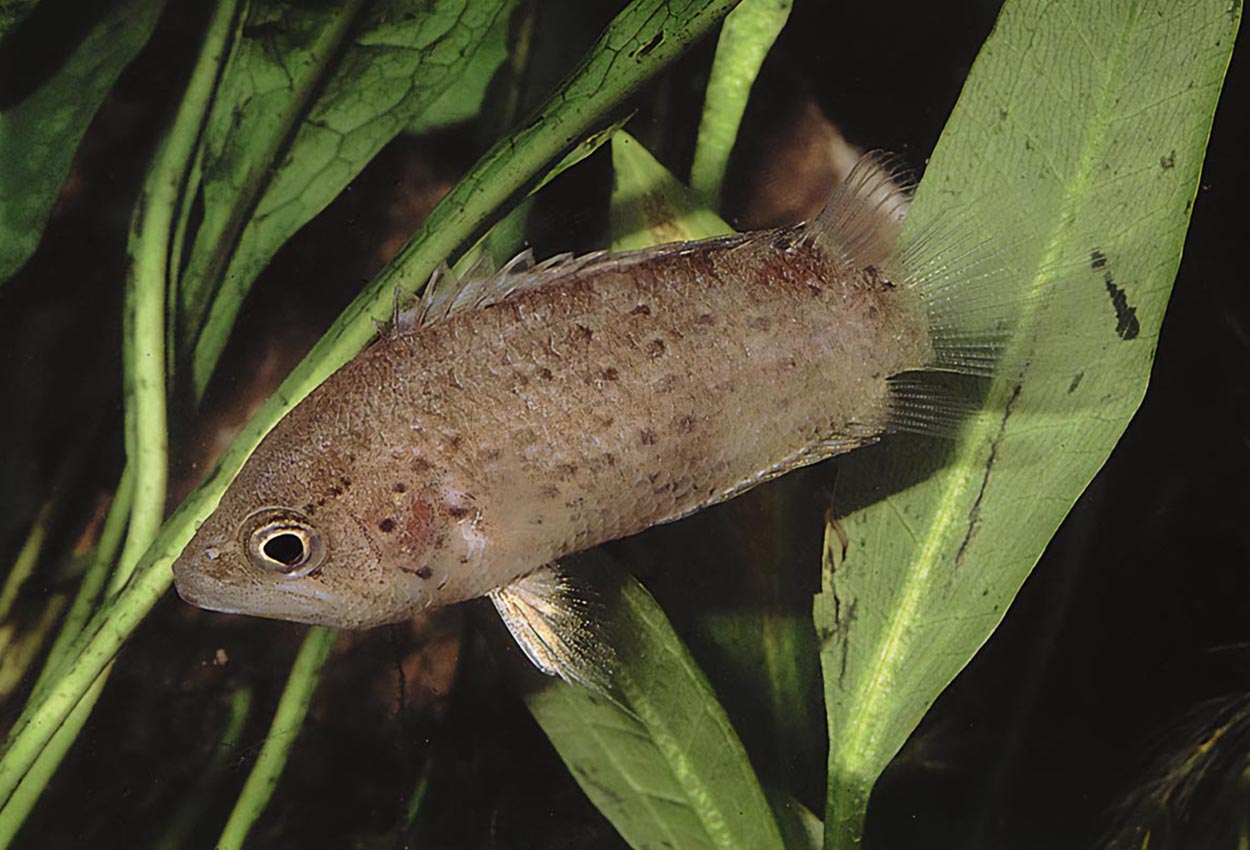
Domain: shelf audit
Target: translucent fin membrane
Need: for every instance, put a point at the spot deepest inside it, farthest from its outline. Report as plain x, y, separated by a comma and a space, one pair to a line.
924, 403
965, 282
555, 620
446, 295
860, 224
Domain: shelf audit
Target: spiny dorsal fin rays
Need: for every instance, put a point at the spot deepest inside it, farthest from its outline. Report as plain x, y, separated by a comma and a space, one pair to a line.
557, 621
446, 295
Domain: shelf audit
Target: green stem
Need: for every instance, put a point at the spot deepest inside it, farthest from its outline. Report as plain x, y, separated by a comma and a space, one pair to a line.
745, 40
93, 580
184, 820
287, 721
146, 435
636, 45
24, 797
27, 556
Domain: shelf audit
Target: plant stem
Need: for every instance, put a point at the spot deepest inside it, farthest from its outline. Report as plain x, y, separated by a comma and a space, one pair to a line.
745, 39
32, 759
287, 721
92, 581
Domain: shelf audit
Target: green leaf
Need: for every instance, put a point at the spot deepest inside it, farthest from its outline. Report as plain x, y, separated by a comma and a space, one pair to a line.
1079, 135
311, 95
39, 134
650, 206
800, 828
463, 100
672, 774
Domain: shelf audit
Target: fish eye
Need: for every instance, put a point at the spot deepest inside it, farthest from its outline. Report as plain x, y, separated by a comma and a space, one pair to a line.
283, 541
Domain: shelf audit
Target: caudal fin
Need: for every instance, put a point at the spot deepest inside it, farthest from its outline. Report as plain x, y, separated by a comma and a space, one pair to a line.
962, 277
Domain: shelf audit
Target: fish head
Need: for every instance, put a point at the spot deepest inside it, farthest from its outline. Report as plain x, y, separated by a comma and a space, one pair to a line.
311, 537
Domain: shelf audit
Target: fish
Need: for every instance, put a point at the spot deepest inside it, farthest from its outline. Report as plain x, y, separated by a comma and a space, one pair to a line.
508, 421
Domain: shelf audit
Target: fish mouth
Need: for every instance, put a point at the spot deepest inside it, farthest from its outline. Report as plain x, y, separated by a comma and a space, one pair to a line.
200, 590
295, 602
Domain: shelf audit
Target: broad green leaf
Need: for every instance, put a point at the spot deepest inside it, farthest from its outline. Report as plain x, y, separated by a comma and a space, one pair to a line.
463, 100
672, 774
636, 45
1079, 136
40, 133
311, 95
800, 828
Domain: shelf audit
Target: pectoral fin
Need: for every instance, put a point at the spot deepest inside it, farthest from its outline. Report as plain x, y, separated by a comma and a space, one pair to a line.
556, 620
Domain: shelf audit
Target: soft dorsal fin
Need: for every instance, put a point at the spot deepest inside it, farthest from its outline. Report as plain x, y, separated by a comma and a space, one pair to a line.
861, 222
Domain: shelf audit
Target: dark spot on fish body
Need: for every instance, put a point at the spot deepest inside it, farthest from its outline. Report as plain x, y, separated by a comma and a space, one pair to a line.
641, 310
1097, 259
656, 348
609, 374
584, 333
647, 437
545, 374
1076, 382
399, 487
1168, 162
386, 526
458, 511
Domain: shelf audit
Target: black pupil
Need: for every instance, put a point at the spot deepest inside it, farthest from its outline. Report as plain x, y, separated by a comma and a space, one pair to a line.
286, 548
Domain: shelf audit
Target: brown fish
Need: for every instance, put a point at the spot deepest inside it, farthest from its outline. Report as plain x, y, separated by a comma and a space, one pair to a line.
540, 411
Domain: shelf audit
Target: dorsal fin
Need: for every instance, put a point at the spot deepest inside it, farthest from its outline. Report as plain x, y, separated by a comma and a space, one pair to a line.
446, 295
860, 224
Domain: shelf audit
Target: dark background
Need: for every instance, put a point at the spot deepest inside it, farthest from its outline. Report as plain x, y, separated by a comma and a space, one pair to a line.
1133, 622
